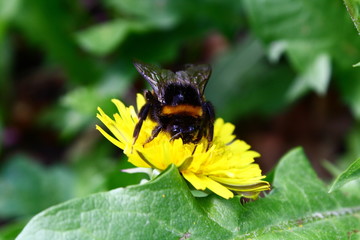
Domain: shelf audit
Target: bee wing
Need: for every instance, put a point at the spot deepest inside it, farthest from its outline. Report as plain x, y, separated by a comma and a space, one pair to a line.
198, 75
156, 76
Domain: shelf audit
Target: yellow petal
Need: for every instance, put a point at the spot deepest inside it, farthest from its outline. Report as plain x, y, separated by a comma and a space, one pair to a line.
136, 160
110, 138
197, 182
217, 188
140, 101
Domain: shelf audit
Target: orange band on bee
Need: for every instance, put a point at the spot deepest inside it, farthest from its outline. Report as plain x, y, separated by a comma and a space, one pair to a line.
185, 109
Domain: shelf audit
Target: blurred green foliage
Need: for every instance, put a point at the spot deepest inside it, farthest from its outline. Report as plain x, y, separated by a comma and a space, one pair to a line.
266, 55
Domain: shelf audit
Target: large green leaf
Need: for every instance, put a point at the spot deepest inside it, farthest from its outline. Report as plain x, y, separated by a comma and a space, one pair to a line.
162, 209
298, 207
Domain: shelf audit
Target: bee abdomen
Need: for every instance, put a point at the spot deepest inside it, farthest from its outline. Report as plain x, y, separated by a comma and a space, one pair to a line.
183, 109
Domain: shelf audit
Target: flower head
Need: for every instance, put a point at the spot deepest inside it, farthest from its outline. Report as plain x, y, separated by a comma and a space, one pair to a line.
225, 167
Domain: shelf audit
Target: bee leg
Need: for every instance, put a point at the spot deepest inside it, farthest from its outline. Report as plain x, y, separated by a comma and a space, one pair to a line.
200, 134
195, 149
209, 122
210, 136
150, 98
175, 136
154, 134
144, 111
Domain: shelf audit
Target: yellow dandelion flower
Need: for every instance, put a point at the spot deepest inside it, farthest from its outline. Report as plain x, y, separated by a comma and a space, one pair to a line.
226, 167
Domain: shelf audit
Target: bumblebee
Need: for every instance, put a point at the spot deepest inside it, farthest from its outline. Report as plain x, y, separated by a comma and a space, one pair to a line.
177, 103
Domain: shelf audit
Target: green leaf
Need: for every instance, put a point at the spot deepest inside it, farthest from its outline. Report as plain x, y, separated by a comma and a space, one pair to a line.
161, 13
161, 209
350, 174
356, 64
298, 207
309, 29
316, 77
26, 188
77, 108
353, 7
104, 38
244, 68
49, 25
8, 9
298, 23
173, 26
276, 49
225, 16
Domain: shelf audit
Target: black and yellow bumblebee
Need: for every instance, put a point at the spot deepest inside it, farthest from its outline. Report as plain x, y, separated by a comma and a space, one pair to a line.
177, 103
